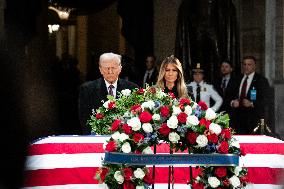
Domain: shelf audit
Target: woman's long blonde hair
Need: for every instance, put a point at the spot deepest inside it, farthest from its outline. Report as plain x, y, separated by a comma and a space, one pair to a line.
181, 87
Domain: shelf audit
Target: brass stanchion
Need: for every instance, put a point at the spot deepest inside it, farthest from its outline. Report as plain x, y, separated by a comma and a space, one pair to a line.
171, 172
262, 127
153, 174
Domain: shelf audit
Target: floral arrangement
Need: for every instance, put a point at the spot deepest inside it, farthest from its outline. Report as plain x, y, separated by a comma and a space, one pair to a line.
142, 118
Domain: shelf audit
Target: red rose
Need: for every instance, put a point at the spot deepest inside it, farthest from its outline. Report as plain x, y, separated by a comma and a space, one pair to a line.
164, 111
127, 173
148, 179
136, 108
111, 146
152, 90
203, 105
141, 91
182, 117
244, 179
137, 152
224, 147
213, 138
138, 137
220, 172
127, 129
164, 130
184, 101
191, 137
197, 186
103, 173
226, 133
226, 182
115, 125
99, 116
128, 185
145, 117
172, 95
111, 105
204, 122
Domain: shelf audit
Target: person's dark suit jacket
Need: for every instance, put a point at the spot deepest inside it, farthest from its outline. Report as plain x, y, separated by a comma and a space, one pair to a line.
247, 118
153, 78
91, 96
229, 94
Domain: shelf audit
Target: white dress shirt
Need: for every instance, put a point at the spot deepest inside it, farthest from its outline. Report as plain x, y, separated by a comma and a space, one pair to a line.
250, 77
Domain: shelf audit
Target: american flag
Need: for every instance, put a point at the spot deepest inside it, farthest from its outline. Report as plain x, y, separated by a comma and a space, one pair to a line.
71, 162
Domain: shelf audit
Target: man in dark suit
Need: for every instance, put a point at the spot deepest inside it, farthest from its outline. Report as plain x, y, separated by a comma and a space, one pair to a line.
227, 87
151, 73
93, 93
252, 100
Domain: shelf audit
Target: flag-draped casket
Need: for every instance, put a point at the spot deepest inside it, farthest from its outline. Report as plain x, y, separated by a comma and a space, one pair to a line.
71, 162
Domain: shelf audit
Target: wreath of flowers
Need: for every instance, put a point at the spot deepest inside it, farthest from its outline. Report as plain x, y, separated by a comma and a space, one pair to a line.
142, 118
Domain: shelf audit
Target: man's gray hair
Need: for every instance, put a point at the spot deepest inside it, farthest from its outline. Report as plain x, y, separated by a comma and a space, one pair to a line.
110, 56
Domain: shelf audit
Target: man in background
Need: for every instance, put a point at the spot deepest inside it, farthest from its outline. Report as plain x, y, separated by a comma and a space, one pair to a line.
252, 97
226, 86
93, 93
151, 73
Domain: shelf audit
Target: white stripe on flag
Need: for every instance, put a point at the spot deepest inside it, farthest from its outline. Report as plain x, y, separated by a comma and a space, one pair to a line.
262, 160
102, 139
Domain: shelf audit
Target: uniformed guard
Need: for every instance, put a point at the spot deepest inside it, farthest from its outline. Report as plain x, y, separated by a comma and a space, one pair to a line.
201, 91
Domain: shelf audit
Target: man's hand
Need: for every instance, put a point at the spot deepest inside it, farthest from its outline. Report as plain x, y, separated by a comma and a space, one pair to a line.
246, 103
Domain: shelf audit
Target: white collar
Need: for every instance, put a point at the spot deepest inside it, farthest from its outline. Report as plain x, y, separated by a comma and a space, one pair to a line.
114, 84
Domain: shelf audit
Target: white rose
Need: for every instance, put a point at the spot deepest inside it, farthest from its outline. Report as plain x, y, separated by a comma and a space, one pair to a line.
139, 173
192, 120
115, 135
126, 148
103, 186
172, 122
149, 104
123, 137
148, 150
210, 114
215, 128
235, 144
134, 123
174, 137
235, 181
237, 170
147, 127
126, 92
202, 140
213, 182
176, 110
106, 104
188, 110
118, 177
156, 117
140, 187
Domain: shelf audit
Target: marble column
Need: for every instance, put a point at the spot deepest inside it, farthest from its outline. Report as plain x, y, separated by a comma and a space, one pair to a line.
274, 59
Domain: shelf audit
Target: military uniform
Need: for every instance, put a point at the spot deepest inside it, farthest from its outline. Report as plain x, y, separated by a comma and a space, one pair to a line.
207, 92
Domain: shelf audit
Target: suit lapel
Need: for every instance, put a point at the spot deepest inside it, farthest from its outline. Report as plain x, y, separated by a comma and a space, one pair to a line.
103, 89
252, 85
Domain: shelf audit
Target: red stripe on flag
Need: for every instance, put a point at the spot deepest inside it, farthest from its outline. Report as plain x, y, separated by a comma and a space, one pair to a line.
263, 148
67, 148
49, 177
